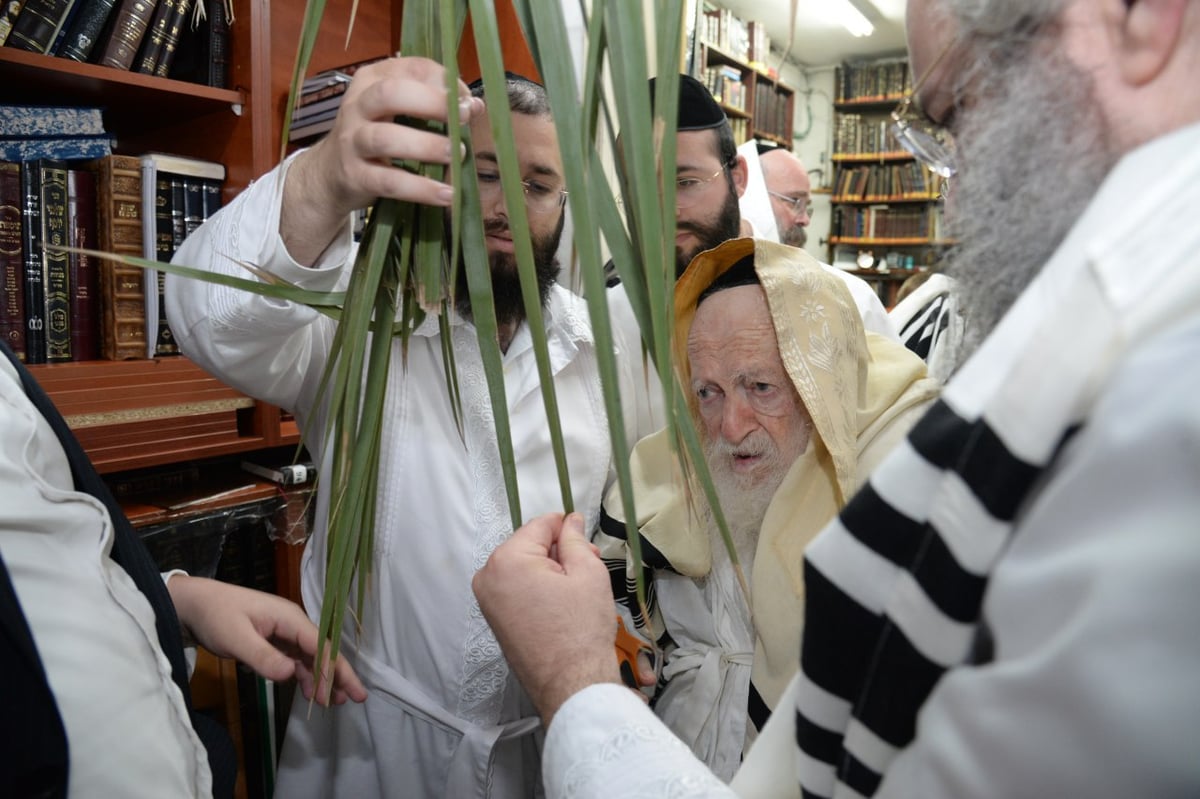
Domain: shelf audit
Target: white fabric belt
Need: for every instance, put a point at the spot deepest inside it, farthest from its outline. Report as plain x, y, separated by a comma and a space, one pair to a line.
476, 743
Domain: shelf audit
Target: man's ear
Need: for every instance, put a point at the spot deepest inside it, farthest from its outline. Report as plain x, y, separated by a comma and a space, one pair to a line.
1147, 34
740, 173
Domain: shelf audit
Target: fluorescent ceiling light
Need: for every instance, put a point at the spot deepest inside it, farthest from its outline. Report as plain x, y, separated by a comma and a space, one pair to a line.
846, 15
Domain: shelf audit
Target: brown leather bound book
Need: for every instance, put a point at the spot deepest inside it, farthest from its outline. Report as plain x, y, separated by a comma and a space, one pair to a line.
122, 288
12, 260
83, 274
128, 30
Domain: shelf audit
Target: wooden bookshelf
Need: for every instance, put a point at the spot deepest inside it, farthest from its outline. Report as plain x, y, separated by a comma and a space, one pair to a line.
135, 414
767, 108
884, 203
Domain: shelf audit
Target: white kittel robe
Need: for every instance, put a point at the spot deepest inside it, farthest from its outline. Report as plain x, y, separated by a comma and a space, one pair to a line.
444, 717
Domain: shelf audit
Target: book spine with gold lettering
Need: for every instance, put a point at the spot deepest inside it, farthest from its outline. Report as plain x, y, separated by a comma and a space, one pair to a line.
12, 264
128, 30
122, 288
54, 260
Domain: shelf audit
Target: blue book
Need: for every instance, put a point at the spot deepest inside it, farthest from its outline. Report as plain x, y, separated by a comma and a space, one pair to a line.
64, 148
28, 121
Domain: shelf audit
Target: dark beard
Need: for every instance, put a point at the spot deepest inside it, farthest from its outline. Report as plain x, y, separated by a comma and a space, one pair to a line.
727, 226
506, 283
1032, 152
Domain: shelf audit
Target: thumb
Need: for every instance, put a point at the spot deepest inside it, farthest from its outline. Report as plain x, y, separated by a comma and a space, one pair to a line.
573, 546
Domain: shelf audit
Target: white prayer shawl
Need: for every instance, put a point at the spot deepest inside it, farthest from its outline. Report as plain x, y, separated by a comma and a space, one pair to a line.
900, 576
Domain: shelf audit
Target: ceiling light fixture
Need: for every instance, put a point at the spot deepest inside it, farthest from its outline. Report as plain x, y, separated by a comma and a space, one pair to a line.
848, 16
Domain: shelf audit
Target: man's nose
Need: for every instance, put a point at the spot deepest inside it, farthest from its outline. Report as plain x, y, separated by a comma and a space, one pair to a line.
737, 418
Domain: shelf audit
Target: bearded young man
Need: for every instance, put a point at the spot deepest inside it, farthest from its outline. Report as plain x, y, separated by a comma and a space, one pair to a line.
1007, 608
443, 716
795, 404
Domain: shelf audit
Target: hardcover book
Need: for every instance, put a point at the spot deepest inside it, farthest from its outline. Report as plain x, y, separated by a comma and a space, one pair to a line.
39, 121
83, 275
33, 276
54, 260
85, 30
122, 288
171, 38
152, 41
127, 31
60, 148
12, 265
8, 15
38, 24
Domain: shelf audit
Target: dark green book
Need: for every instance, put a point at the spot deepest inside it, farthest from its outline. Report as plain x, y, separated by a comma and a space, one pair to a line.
55, 262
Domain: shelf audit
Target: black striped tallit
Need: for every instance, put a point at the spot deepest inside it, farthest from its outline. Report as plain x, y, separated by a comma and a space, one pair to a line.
859, 658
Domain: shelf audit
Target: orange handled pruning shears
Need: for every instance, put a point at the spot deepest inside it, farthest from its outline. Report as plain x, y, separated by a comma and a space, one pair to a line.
628, 646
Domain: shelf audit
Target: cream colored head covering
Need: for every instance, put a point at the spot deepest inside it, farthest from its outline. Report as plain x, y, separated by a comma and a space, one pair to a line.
821, 339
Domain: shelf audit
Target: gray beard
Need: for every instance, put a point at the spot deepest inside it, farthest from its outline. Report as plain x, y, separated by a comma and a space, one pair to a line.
1032, 151
795, 236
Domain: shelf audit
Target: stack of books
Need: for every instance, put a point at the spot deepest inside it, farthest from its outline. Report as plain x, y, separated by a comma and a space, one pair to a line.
320, 97
29, 132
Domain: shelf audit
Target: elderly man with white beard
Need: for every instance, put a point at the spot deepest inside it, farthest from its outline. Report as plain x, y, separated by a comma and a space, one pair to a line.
795, 403
1008, 607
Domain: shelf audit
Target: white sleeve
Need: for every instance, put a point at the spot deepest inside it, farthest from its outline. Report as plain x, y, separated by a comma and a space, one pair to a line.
605, 742
1094, 686
270, 349
870, 307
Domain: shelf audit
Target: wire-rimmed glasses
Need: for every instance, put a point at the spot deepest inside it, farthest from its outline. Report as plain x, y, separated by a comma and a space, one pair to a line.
688, 189
797, 205
540, 198
928, 142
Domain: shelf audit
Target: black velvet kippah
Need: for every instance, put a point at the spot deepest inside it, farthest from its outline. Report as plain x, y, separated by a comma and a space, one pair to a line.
697, 108
475, 84
741, 273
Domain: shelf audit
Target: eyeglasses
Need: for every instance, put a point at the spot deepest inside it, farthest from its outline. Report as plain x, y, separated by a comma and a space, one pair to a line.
796, 204
927, 141
540, 198
689, 190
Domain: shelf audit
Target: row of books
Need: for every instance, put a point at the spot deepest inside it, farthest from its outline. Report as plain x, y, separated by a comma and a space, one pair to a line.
886, 182
871, 82
57, 305
921, 223
855, 134
772, 111
168, 38
725, 83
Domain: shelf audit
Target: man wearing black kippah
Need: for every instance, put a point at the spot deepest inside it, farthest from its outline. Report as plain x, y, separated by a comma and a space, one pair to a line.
711, 175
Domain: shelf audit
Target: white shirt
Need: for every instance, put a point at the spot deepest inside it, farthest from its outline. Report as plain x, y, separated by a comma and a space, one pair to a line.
1093, 690
440, 690
128, 731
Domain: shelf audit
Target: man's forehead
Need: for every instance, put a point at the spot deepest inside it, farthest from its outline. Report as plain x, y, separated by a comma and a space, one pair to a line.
537, 144
696, 149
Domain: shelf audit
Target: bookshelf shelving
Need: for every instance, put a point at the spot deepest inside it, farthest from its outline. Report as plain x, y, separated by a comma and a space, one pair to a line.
759, 106
135, 414
885, 204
